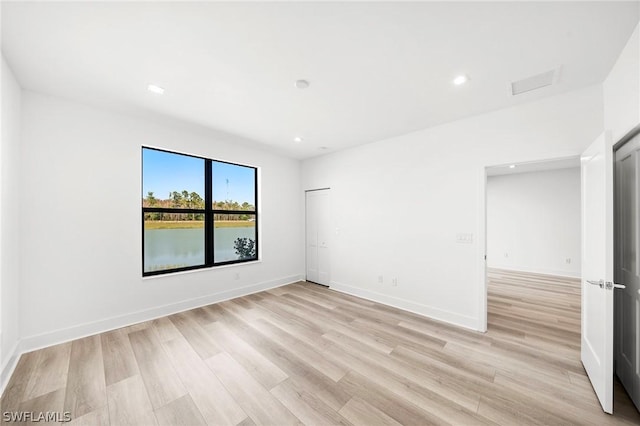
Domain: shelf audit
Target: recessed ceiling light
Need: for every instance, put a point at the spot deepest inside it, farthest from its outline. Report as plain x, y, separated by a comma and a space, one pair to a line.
513, 166
301, 84
461, 79
155, 89
297, 139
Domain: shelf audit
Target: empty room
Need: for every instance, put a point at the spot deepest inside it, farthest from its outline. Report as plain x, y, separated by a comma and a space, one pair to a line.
319, 213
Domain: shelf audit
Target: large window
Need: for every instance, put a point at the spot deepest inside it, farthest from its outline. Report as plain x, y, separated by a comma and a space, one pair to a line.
196, 212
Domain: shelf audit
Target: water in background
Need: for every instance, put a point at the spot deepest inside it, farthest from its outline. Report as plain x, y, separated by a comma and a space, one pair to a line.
177, 248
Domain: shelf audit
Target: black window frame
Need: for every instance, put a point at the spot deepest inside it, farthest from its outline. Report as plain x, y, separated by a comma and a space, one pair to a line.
208, 211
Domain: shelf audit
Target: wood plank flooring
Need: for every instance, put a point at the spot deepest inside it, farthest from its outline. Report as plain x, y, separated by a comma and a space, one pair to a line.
303, 354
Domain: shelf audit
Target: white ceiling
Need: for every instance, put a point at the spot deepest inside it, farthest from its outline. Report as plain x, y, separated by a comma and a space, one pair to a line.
376, 69
534, 166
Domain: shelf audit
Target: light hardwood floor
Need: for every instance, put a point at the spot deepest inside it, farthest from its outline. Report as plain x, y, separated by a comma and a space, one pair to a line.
303, 354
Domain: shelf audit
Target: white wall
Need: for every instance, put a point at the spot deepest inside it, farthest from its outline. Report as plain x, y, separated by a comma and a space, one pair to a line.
622, 90
81, 221
533, 222
400, 203
10, 122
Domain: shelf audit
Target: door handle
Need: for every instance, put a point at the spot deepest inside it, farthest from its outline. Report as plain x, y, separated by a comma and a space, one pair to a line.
609, 284
612, 285
599, 283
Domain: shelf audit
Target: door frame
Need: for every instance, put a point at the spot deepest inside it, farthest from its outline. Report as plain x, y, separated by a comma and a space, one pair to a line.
626, 138
482, 234
306, 191
482, 221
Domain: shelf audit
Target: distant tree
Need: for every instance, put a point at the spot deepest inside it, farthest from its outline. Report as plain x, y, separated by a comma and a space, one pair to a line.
176, 199
196, 200
192, 200
151, 200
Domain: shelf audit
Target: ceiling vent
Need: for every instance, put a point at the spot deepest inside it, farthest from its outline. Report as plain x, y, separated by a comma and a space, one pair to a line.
533, 83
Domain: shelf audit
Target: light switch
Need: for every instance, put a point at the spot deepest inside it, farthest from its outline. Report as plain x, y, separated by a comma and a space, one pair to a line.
464, 238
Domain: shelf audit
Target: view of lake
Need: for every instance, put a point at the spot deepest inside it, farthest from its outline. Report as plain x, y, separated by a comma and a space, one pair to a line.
185, 198
178, 248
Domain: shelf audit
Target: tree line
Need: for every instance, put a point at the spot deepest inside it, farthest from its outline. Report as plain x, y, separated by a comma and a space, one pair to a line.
192, 200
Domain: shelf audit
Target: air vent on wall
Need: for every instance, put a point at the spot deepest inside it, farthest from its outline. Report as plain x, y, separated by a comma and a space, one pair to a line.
533, 83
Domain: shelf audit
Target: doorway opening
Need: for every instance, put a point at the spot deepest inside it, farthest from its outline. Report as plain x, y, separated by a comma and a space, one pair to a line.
533, 217
507, 308
532, 249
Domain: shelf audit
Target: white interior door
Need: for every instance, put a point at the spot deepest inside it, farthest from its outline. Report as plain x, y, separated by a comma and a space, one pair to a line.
627, 301
318, 237
597, 269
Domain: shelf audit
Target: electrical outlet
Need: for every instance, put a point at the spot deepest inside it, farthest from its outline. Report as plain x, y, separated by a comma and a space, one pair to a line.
568, 260
394, 282
237, 277
380, 279
506, 255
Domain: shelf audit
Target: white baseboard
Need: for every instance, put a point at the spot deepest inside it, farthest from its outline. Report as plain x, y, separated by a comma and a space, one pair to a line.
555, 272
9, 366
408, 305
31, 343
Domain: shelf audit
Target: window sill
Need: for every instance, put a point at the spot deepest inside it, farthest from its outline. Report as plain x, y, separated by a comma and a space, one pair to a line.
209, 269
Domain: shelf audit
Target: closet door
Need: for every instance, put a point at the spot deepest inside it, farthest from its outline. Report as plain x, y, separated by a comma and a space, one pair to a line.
317, 236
